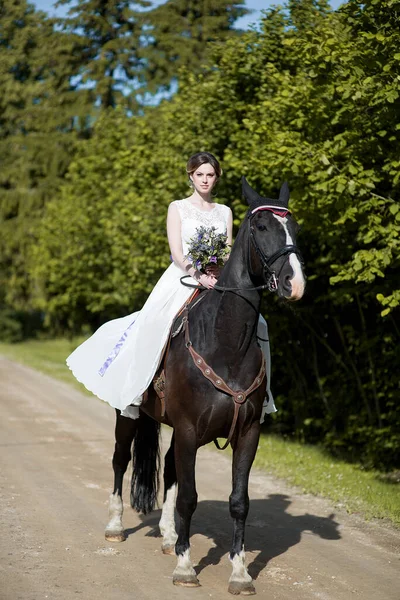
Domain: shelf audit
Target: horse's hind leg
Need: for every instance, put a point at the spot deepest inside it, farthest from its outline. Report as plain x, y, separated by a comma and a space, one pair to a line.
186, 502
167, 521
244, 451
125, 429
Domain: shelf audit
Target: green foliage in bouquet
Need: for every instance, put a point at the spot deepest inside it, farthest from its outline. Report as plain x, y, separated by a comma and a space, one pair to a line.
207, 247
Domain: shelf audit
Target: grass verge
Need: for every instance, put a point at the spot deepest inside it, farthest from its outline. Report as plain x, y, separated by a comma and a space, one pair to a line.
350, 487
47, 356
309, 467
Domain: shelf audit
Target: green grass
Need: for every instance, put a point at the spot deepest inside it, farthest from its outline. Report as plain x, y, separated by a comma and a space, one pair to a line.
47, 356
309, 467
368, 493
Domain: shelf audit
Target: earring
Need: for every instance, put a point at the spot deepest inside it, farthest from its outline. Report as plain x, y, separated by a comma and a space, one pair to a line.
190, 183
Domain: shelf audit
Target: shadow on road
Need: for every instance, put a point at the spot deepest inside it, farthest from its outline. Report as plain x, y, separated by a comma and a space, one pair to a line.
270, 529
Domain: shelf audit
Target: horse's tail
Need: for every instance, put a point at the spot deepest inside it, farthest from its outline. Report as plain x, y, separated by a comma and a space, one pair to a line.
146, 465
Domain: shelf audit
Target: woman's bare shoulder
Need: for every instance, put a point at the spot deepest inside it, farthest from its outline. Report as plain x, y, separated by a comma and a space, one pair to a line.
176, 207
226, 209
179, 202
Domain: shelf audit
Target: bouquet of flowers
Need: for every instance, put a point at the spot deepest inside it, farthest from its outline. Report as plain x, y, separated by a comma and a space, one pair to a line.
207, 247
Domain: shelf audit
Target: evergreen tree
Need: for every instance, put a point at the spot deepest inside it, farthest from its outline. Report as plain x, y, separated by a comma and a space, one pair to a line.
109, 34
304, 14
39, 114
179, 35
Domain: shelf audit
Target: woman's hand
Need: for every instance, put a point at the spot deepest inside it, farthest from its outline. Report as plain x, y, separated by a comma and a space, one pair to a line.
213, 270
207, 281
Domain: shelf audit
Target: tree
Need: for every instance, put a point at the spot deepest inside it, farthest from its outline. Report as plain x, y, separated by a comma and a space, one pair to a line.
102, 241
40, 117
109, 33
179, 35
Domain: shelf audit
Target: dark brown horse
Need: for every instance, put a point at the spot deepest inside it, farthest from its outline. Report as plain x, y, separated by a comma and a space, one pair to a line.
223, 332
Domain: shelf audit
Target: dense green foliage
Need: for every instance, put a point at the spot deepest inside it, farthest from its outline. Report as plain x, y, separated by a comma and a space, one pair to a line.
108, 39
56, 77
311, 97
179, 34
38, 104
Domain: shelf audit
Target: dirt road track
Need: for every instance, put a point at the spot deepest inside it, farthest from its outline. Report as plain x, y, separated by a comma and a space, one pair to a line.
55, 478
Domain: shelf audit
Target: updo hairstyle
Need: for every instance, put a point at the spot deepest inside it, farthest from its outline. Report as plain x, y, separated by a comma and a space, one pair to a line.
202, 158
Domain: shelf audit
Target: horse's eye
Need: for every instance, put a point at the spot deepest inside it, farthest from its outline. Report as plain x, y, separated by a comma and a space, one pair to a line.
261, 227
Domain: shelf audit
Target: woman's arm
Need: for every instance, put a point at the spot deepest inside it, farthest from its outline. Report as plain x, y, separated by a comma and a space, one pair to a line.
175, 244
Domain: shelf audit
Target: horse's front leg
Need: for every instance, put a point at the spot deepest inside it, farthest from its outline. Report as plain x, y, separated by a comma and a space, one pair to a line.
125, 429
167, 521
244, 450
186, 502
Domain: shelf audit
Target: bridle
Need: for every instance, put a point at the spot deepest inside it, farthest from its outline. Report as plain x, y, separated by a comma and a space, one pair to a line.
270, 275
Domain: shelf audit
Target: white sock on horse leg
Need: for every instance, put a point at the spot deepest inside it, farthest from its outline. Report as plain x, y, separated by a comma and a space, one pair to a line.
167, 520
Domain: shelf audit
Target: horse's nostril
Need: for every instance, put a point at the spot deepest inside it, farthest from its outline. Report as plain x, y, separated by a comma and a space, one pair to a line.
287, 282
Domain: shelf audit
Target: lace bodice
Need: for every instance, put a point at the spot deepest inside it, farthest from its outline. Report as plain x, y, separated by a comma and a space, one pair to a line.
192, 218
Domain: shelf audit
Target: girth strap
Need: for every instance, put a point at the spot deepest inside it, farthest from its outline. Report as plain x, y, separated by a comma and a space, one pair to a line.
239, 396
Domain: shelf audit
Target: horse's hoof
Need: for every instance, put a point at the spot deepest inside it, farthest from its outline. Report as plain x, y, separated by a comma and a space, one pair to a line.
244, 588
186, 580
115, 536
168, 549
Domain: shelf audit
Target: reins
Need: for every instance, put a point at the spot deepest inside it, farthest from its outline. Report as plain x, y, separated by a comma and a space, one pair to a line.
220, 288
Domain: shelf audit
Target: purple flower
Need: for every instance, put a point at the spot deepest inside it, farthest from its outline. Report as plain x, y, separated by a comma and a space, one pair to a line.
207, 246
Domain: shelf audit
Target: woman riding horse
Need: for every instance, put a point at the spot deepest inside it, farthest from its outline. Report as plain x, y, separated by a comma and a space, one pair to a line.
215, 386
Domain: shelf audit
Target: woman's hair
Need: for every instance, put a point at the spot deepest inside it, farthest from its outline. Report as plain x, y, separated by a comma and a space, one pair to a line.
202, 158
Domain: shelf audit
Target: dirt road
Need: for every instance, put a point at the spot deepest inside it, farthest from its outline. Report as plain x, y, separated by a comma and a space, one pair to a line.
56, 447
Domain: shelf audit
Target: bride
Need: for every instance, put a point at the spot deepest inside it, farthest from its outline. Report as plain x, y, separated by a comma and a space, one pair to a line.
118, 362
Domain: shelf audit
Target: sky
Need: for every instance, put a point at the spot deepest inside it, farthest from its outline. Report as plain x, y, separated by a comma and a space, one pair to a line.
255, 5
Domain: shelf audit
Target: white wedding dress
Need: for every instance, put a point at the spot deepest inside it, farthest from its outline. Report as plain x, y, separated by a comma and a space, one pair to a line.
118, 362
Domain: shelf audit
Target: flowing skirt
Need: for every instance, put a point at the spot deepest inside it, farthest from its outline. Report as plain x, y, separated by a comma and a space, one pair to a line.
118, 362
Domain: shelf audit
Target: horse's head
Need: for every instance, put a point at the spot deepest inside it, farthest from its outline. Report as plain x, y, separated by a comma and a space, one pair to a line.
274, 256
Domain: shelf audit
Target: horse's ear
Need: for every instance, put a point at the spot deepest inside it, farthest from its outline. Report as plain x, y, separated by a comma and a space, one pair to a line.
253, 199
284, 194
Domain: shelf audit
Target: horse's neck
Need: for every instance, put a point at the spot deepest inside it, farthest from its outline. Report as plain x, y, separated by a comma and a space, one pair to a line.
236, 274
236, 319
231, 317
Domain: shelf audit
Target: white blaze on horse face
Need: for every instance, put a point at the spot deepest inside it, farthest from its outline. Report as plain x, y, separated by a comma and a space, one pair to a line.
298, 282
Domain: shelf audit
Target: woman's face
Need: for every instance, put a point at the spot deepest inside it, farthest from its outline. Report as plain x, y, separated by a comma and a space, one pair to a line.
204, 178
